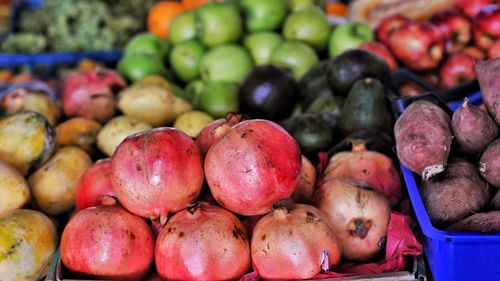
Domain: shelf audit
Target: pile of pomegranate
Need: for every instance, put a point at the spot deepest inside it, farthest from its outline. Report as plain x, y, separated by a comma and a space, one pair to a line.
138, 211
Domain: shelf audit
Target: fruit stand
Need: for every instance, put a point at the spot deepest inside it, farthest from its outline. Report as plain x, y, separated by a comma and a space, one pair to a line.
249, 140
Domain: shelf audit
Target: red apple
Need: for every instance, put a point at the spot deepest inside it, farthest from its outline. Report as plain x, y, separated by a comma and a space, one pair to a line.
420, 46
458, 68
381, 50
456, 28
475, 52
408, 89
472, 7
388, 25
431, 77
494, 51
486, 27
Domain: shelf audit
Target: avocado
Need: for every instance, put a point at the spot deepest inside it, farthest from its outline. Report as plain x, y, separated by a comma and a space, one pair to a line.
365, 108
329, 108
311, 132
348, 67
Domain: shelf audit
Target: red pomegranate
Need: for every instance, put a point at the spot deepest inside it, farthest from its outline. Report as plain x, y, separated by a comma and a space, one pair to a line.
305, 188
94, 187
256, 164
202, 242
372, 167
216, 130
107, 242
358, 214
294, 243
91, 93
157, 172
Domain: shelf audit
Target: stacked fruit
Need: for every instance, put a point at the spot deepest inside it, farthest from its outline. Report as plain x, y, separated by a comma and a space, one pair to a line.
444, 49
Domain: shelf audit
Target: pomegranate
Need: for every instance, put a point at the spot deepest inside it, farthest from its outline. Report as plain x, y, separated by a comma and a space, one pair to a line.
107, 242
202, 242
94, 187
90, 94
216, 130
305, 188
372, 167
294, 243
157, 172
358, 214
256, 164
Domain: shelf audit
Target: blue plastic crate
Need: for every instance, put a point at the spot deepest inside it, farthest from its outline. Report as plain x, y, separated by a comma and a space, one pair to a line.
455, 256
49, 59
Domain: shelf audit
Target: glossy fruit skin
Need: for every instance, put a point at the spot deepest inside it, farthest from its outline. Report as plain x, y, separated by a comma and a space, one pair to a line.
456, 28
218, 24
261, 45
372, 167
28, 240
157, 172
226, 63
268, 92
182, 27
108, 242
472, 7
486, 27
457, 69
202, 242
308, 25
256, 164
289, 244
420, 46
90, 94
388, 25
94, 187
349, 36
494, 51
161, 15
262, 15
381, 50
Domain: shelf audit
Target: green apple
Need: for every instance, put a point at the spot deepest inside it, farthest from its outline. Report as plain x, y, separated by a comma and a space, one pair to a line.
147, 43
295, 56
218, 23
139, 65
262, 15
308, 25
261, 45
193, 90
347, 36
219, 98
297, 5
185, 59
182, 28
228, 63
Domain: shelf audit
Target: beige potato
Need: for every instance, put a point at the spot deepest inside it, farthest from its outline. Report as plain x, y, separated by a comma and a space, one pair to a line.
116, 130
24, 100
14, 190
28, 240
151, 103
26, 140
192, 122
80, 132
53, 186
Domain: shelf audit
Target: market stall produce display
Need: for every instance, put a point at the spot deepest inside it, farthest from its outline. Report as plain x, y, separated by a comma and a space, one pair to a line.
245, 140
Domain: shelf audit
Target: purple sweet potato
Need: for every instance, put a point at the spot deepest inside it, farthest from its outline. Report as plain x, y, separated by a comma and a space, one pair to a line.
481, 222
488, 74
473, 128
423, 138
495, 202
456, 194
489, 164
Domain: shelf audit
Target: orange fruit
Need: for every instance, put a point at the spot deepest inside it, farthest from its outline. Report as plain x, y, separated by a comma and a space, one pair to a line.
193, 4
160, 16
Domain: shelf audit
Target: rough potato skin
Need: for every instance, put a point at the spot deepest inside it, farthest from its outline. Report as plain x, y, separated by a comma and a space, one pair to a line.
481, 222
489, 164
423, 138
473, 128
488, 72
457, 194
